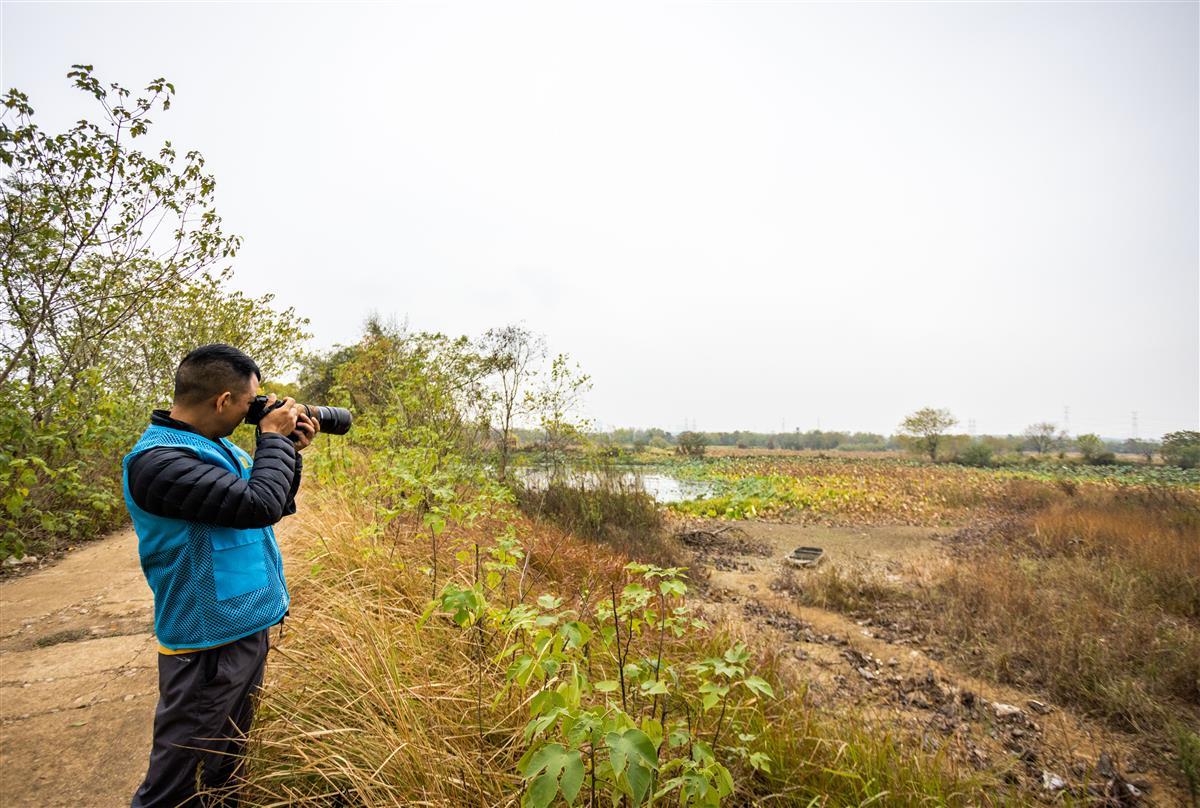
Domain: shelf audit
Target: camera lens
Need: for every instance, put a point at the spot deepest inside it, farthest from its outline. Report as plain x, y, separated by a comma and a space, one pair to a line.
334, 420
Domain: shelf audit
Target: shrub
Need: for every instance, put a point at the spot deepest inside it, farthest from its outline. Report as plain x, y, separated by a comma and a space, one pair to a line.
1182, 449
690, 444
603, 504
976, 454
1094, 451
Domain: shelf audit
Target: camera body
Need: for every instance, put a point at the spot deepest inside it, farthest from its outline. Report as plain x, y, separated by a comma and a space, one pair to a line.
333, 420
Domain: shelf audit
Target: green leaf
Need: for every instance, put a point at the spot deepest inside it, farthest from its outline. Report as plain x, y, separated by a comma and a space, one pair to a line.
544, 787
738, 654
575, 633
520, 670
724, 780
544, 767
572, 777
606, 686
759, 686
654, 731
632, 754
761, 761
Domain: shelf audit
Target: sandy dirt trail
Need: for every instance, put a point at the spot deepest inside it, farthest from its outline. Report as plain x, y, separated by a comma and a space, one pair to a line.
78, 679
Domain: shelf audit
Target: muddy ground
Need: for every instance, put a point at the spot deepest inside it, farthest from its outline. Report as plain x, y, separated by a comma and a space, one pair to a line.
895, 675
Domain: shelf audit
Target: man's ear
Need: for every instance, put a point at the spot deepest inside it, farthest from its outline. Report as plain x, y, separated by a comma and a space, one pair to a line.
224, 400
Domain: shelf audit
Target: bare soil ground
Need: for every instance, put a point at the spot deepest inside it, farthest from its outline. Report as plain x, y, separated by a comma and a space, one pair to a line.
78, 679
893, 673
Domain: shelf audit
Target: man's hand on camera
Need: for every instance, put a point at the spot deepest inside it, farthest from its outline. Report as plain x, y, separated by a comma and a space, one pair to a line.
281, 419
307, 429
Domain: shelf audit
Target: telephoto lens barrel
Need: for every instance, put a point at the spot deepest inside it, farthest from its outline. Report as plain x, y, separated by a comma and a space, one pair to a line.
333, 420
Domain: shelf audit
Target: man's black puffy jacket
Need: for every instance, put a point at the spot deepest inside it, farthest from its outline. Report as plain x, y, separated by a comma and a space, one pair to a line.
172, 482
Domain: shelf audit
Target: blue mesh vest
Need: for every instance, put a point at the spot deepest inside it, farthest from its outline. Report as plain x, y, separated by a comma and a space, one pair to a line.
211, 585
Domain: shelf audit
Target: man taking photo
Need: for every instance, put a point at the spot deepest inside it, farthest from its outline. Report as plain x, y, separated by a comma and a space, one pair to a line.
203, 509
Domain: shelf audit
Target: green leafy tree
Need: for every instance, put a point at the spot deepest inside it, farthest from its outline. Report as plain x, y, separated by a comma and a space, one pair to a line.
1182, 448
200, 311
977, 453
417, 398
1145, 448
557, 403
1042, 437
691, 444
94, 231
108, 266
1094, 450
926, 427
513, 354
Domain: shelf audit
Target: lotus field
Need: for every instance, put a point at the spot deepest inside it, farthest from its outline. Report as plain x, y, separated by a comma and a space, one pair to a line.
889, 491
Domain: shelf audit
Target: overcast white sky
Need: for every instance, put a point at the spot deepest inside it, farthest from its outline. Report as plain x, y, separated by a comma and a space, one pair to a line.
745, 215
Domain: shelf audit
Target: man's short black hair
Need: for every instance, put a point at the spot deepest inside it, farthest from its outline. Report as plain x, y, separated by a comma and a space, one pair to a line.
211, 370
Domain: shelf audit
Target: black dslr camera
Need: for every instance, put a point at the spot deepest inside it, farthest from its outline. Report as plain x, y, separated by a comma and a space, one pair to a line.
333, 420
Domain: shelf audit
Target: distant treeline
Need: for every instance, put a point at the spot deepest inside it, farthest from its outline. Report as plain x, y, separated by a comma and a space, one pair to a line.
813, 439
816, 439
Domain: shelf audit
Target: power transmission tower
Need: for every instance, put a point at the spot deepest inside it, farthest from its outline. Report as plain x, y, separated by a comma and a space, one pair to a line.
1134, 419
1067, 419
971, 427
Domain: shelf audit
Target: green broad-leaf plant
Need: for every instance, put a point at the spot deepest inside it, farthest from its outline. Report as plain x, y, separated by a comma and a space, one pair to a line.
614, 717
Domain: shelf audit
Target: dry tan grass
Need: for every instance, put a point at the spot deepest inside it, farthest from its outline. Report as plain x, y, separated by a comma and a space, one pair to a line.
1091, 595
364, 708
1097, 602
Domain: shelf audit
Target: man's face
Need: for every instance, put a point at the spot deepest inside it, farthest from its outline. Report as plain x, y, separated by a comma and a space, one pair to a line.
233, 405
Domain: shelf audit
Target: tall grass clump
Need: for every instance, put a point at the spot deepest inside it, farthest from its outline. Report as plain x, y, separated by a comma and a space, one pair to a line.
602, 502
1096, 601
850, 590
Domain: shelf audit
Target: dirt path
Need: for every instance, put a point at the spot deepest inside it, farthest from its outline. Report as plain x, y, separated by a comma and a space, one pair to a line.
895, 677
78, 679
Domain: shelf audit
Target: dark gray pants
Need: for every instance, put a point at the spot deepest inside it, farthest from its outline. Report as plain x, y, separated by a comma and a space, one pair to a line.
205, 705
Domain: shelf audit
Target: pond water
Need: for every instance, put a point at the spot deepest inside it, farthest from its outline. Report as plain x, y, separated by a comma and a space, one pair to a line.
665, 488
